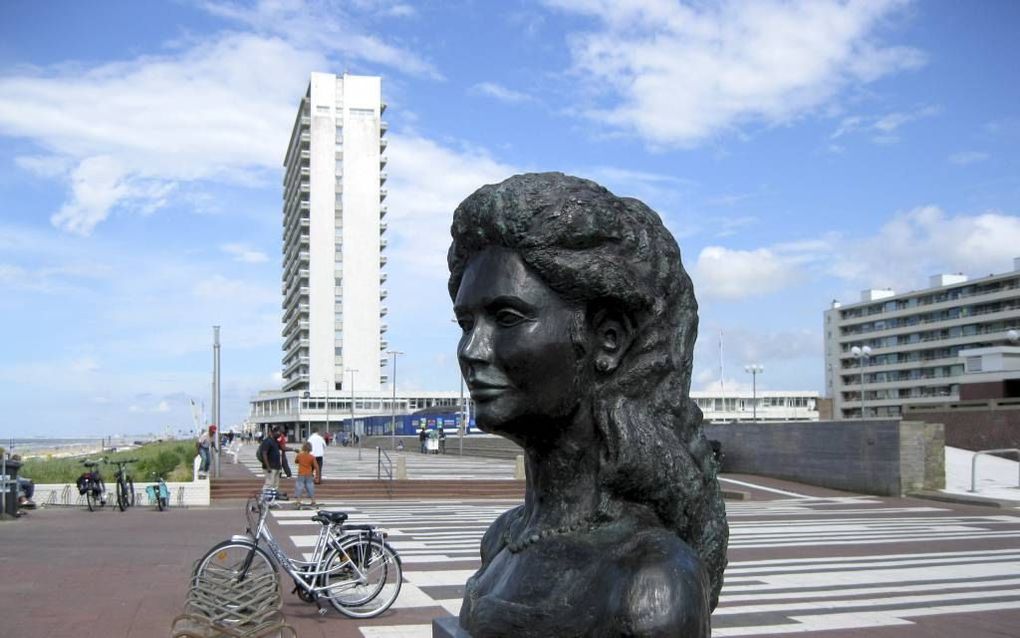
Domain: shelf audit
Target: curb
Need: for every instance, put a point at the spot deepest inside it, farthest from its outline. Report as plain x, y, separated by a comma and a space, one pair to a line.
964, 499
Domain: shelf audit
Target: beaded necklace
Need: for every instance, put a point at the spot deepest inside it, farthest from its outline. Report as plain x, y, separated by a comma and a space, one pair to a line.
587, 524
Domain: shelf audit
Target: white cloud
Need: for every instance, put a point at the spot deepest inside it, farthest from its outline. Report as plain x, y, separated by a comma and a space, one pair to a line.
427, 182
965, 158
328, 27
221, 109
499, 92
882, 128
926, 241
244, 254
723, 273
678, 74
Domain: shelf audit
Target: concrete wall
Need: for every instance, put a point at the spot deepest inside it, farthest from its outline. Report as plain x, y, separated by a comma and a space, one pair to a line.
885, 457
190, 494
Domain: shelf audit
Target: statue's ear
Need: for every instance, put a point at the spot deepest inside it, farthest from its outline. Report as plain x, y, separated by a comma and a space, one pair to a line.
613, 333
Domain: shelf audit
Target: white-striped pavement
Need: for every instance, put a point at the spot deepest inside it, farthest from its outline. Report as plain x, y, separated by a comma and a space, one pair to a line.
929, 570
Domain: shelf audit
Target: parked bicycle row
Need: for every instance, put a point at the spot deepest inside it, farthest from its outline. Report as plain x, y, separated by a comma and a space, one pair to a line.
92, 486
352, 568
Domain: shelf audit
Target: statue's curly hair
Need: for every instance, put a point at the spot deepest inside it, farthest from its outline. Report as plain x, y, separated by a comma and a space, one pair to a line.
592, 247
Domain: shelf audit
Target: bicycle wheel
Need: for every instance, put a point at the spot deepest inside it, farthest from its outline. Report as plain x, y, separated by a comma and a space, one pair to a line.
91, 497
227, 560
131, 492
365, 577
122, 495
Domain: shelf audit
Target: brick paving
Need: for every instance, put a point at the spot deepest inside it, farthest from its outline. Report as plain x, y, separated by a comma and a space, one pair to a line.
803, 560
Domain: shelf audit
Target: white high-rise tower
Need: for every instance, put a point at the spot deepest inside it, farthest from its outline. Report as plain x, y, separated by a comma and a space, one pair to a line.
334, 237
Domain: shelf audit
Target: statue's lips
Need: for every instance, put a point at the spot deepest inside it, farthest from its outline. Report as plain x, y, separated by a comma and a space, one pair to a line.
482, 391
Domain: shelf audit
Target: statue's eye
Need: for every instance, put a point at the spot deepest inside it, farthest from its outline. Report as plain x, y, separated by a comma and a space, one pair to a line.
507, 317
465, 323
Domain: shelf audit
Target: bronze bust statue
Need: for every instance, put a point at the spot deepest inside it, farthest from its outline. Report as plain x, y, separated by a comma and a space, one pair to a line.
579, 325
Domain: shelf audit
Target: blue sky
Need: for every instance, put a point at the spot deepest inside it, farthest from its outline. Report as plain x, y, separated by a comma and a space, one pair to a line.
799, 151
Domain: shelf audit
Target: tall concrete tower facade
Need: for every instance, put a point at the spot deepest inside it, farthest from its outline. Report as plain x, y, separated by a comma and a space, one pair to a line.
334, 238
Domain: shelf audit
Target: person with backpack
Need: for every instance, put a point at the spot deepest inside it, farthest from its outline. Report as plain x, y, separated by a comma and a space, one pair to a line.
269, 455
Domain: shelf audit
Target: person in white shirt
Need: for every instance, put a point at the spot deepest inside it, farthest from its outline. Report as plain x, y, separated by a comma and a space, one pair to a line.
318, 450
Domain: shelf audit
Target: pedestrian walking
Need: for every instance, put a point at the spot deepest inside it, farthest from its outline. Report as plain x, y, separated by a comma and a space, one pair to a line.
308, 471
281, 440
318, 447
202, 447
269, 454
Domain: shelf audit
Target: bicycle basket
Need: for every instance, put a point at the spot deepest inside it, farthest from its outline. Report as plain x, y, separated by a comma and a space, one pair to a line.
83, 482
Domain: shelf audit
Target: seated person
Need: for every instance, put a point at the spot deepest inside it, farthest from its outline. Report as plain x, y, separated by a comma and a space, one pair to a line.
26, 489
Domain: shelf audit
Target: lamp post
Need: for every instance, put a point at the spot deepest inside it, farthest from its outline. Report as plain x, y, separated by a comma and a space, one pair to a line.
327, 408
755, 369
393, 401
353, 428
862, 354
463, 416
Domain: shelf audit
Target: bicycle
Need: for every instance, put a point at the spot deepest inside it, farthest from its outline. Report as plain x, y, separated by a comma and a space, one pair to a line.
352, 566
158, 493
91, 485
125, 484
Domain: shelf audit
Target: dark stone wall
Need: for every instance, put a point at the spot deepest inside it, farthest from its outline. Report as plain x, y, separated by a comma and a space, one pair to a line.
989, 426
885, 457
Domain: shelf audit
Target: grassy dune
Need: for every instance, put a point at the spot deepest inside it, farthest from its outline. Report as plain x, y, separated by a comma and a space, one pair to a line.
170, 459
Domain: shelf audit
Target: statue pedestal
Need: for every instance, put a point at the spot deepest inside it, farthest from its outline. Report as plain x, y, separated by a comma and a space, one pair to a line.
448, 627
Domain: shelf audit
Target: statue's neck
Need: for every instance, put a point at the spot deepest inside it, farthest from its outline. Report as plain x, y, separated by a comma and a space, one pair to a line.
562, 474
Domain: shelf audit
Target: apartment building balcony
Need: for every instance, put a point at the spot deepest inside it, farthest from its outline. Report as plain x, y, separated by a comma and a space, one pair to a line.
384, 344
383, 176
383, 209
296, 363
295, 383
383, 227
383, 243
383, 143
382, 161
383, 311
383, 328
291, 338
383, 293
299, 349
383, 126
382, 260
382, 277
383, 193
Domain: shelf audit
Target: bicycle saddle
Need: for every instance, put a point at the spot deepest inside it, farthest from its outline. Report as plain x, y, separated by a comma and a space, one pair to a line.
330, 518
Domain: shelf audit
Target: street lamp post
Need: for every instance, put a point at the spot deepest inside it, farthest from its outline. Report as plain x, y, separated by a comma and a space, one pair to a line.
354, 428
393, 401
327, 408
862, 354
463, 417
755, 369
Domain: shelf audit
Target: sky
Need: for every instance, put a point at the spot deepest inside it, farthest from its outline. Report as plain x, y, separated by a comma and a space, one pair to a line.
800, 152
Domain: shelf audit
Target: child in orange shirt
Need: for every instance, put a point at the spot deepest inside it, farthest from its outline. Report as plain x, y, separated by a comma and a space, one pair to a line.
308, 470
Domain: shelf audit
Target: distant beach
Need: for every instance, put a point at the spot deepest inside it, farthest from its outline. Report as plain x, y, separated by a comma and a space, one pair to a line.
61, 447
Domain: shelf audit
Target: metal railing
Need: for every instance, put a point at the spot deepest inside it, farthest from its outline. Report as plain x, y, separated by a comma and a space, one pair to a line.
382, 467
973, 464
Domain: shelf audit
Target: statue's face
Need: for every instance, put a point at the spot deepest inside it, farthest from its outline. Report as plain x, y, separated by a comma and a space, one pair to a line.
515, 352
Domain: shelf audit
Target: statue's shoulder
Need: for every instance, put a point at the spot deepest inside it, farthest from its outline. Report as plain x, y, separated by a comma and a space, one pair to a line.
664, 589
495, 537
